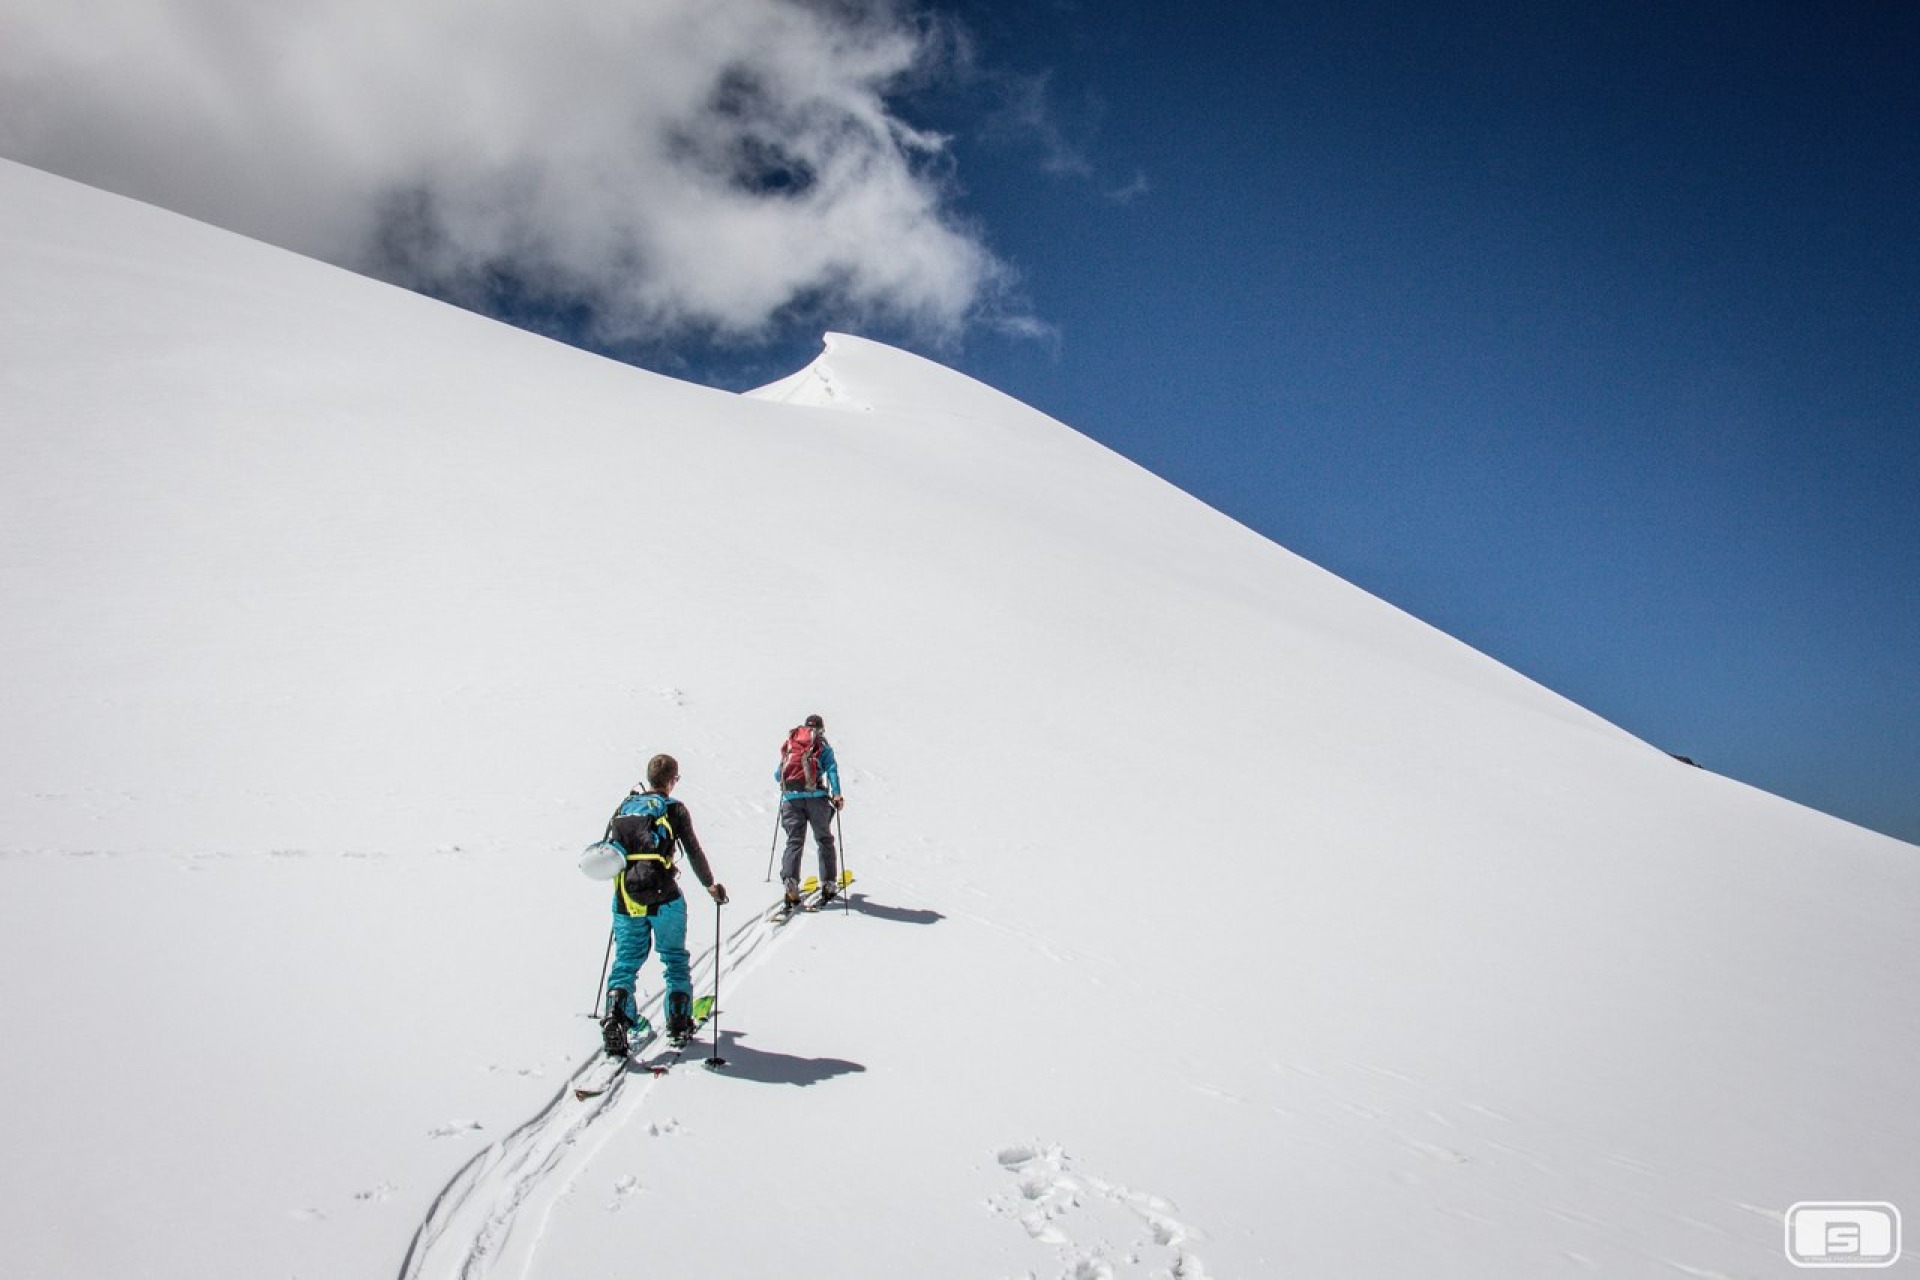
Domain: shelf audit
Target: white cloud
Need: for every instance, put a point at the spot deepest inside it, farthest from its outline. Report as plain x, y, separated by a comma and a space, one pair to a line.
677, 165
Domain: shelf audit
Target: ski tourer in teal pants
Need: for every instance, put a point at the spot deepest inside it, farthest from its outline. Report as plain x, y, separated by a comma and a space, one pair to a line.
663, 928
648, 912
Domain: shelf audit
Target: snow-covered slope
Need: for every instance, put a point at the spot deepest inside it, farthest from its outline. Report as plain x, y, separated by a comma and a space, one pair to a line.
1213, 918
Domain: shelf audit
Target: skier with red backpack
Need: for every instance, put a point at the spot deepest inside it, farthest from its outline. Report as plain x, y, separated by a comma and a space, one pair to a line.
809, 780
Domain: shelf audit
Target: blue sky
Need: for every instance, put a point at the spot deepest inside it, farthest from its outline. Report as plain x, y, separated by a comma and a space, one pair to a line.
1586, 333
1589, 334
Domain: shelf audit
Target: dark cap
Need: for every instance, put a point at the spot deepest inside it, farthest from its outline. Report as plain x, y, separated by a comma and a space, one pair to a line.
815, 722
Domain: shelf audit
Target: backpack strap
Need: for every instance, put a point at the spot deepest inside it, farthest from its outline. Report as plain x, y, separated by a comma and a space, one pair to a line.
664, 858
620, 881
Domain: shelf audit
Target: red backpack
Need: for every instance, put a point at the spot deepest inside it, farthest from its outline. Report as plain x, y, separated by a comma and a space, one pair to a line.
800, 759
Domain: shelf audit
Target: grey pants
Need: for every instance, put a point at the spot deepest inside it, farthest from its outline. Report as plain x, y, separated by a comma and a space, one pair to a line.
795, 817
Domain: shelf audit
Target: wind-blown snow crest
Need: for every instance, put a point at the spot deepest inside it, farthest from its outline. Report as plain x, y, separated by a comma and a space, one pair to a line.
1212, 917
816, 385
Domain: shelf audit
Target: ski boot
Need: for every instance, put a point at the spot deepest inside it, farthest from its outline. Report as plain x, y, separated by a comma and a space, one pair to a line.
613, 1027
679, 1018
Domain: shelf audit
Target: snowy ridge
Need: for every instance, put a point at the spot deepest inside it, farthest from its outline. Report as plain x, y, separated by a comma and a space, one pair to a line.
815, 386
1213, 918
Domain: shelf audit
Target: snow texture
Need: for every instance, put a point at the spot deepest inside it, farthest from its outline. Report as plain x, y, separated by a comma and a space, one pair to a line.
1214, 919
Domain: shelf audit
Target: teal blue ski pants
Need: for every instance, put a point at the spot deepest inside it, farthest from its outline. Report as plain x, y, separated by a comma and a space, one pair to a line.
635, 937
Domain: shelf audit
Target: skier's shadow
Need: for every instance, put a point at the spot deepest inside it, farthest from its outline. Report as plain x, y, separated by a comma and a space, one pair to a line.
898, 915
765, 1067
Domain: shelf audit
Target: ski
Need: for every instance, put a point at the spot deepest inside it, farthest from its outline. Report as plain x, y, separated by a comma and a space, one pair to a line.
606, 1071
810, 899
600, 1078
783, 910
677, 1049
816, 901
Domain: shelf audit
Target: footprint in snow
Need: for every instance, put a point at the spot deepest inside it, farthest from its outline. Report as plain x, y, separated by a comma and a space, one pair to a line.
453, 1129
626, 1186
1100, 1230
495, 1068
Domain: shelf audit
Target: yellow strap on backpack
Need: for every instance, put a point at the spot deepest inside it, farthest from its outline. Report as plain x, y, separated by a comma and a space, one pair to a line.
626, 900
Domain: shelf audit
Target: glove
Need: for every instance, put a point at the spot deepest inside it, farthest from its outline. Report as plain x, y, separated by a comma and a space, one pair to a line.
839, 803
719, 892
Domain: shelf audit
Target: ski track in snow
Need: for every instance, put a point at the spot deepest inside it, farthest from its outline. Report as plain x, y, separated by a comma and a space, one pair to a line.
1100, 1231
496, 1207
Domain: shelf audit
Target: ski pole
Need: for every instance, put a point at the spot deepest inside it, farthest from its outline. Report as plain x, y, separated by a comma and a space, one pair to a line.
775, 844
601, 990
716, 1061
846, 870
